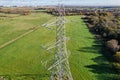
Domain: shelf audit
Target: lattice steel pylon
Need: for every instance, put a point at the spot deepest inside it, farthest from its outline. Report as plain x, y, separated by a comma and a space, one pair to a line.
60, 69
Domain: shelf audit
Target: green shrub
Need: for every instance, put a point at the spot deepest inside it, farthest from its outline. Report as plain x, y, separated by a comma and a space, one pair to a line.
117, 57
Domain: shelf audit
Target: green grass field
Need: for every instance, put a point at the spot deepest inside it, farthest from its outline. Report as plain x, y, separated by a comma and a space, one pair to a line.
21, 60
13, 25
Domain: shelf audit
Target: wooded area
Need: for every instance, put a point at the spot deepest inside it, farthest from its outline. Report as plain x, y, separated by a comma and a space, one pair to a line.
106, 26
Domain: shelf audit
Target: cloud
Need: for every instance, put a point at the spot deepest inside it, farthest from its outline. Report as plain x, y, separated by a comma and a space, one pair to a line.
53, 2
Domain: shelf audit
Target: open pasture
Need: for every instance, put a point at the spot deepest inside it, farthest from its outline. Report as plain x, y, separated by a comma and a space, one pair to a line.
21, 60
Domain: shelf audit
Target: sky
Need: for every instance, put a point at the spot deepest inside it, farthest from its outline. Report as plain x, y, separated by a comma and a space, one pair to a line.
55, 2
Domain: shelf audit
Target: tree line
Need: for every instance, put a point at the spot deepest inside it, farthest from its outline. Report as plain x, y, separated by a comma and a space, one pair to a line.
21, 11
107, 28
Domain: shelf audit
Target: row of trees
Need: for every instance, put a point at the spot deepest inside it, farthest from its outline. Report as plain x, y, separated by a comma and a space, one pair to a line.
107, 25
21, 11
68, 12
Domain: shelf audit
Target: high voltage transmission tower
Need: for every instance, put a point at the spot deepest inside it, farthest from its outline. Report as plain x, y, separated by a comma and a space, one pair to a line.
60, 69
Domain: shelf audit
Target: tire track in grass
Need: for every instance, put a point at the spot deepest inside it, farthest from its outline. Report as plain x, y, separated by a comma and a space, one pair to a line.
13, 40
24, 34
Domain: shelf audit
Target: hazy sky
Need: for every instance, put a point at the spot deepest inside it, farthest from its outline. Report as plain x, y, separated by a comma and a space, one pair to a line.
53, 2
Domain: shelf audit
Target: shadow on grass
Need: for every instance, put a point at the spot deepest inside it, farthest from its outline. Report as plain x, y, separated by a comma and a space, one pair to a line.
104, 68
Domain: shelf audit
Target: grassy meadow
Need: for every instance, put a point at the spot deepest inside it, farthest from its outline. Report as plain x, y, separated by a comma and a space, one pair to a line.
13, 25
21, 60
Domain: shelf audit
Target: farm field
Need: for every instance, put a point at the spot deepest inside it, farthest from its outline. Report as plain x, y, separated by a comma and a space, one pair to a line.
21, 60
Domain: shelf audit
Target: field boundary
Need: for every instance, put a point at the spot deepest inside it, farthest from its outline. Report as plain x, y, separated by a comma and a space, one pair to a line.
24, 76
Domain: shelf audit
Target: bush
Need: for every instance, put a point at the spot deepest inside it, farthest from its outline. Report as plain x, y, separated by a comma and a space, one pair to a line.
112, 45
117, 66
117, 57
